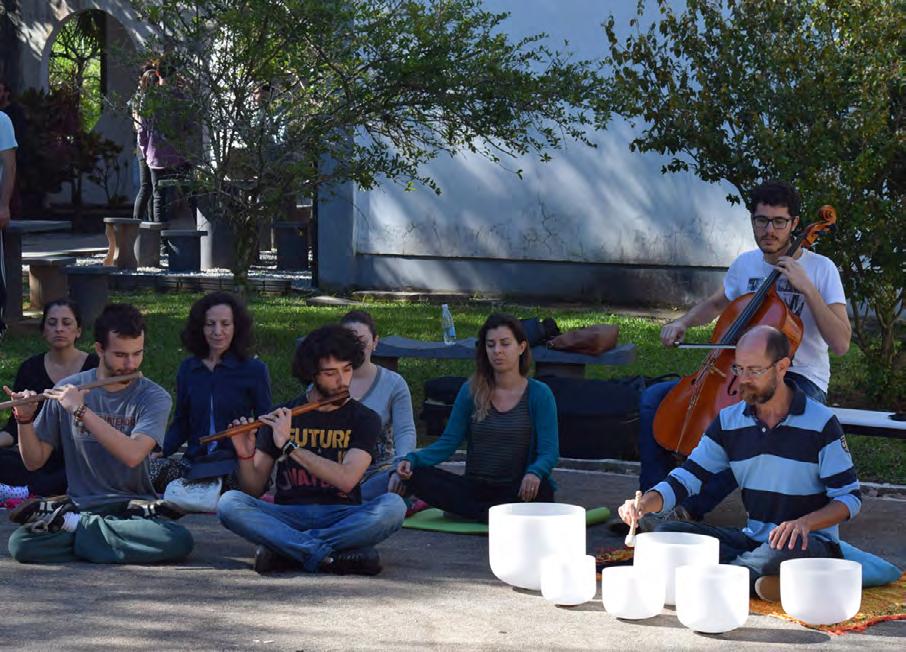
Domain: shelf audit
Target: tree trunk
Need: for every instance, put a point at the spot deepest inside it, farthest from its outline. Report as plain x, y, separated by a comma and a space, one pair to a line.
246, 247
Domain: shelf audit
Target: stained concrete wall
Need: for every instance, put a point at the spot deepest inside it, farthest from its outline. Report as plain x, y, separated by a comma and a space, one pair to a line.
600, 223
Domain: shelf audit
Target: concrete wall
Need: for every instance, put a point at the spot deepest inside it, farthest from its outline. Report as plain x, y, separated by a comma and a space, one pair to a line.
37, 23
600, 223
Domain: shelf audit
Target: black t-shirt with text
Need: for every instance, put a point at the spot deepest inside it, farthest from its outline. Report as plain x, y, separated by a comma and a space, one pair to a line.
329, 435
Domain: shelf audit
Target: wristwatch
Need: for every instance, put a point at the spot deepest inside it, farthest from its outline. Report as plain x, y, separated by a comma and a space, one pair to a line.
288, 448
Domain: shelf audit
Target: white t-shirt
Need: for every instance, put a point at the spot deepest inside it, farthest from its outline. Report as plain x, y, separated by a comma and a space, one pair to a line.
7, 137
746, 274
7, 133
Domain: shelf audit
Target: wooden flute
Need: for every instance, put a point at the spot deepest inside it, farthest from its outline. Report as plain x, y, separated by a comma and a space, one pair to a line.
38, 398
253, 425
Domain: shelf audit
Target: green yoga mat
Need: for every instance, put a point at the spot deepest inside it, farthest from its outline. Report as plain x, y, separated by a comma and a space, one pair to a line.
434, 520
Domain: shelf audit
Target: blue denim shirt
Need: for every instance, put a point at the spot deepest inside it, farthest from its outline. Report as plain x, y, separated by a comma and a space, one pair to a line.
237, 388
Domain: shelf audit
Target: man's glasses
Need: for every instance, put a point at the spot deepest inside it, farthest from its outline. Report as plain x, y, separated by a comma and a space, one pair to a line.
779, 223
751, 372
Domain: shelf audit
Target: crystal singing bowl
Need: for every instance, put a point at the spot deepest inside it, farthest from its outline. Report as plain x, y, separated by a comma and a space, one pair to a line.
661, 553
821, 591
631, 593
520, 535
712, 599
568, 580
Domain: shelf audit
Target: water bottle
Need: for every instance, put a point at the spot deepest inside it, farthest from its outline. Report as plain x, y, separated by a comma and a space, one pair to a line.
446, 320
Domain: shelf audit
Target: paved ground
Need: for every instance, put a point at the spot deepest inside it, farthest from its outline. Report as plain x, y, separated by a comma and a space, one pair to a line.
436, 592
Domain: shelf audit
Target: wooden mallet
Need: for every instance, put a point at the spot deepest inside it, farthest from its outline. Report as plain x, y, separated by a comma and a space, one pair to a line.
629, 541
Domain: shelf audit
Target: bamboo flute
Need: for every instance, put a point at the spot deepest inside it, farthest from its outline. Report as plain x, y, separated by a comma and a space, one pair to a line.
38, 398
253, 425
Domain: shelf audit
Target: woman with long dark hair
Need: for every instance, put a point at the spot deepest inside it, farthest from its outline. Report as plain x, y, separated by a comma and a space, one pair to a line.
509, 424
61, 326
218, 383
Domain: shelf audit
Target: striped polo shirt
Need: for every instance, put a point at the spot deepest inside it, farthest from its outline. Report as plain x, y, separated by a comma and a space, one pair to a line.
785, 472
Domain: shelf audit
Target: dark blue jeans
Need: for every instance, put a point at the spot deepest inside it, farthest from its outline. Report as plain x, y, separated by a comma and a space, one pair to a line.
738, 549
657, 462
145, 197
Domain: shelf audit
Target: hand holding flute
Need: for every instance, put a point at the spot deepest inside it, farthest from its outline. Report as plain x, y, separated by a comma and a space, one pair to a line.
279, 420
25, 403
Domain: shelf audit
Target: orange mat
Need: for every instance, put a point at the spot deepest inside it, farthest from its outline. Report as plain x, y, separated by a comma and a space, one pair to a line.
879, 604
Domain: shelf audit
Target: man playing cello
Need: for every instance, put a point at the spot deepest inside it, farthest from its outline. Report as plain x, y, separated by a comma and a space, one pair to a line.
811, 287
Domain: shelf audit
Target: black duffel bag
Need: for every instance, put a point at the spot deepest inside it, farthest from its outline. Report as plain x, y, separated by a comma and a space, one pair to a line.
599, 419
440, 394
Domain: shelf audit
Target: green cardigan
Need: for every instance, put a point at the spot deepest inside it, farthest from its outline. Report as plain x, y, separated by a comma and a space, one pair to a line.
544, 451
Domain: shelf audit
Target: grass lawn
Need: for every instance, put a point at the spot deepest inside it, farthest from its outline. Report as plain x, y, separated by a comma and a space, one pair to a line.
280, 320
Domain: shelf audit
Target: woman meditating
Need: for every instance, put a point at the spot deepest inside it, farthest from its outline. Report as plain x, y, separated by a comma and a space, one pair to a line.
61, 326
509, 424
387, 393
220, 382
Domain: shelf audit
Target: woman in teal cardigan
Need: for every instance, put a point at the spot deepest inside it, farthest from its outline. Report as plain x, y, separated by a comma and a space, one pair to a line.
509, 424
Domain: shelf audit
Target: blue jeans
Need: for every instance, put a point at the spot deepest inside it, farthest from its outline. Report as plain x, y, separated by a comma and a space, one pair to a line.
657, 462
738, 549
376, 485
309, 533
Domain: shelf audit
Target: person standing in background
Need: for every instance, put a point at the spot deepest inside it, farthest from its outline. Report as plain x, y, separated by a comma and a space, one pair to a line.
8, 147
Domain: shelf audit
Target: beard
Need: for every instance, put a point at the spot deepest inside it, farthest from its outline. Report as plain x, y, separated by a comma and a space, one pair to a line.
328, 393
113, 369
773, 245
754, 396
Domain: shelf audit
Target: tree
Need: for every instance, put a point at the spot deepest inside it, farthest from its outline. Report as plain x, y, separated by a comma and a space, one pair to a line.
812, 91
376, 87
76, 62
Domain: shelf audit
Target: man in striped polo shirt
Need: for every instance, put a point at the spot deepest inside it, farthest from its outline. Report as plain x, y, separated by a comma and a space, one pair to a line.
789, 457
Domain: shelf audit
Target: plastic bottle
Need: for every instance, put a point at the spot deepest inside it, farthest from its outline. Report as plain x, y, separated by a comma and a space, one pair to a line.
446, 320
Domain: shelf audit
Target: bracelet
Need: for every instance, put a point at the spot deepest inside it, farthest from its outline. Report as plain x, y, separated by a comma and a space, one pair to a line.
248, 457
288, 448
23, 422
79, 412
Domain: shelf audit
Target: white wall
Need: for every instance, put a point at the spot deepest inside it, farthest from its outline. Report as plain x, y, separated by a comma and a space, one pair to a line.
604, 205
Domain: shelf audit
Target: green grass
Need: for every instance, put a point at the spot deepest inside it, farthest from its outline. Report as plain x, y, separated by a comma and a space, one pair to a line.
280, 320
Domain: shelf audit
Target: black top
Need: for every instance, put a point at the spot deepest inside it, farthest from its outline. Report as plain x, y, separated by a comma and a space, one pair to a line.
329, 435
33, 375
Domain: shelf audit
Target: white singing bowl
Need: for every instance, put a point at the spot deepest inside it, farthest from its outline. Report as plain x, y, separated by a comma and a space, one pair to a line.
661, 553
821, 591
568, 580
712, 599
520, 535
631, 593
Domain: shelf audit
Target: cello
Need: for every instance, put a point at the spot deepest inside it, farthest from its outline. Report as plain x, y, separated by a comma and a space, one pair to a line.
691, 406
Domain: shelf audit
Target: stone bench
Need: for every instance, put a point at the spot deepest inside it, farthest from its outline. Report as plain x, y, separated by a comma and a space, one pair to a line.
121, 234
871, 422
183, 248
47, 279
88, 286
147, 244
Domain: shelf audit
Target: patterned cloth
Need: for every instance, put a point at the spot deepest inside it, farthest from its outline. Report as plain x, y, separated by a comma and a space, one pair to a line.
879, 604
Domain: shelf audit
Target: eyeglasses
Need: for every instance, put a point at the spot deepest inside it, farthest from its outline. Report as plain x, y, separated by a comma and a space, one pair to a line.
751, 372
779, 223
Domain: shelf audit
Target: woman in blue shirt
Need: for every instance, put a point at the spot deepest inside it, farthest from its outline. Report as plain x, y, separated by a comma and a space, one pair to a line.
509, 424
220, 382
